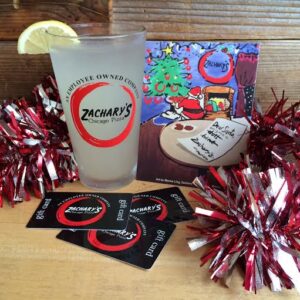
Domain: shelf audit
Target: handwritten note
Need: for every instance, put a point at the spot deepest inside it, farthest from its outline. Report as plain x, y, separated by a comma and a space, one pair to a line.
216, 140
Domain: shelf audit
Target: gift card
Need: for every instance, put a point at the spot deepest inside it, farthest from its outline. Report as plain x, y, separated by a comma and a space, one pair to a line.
82, 211
139, 244
164, 205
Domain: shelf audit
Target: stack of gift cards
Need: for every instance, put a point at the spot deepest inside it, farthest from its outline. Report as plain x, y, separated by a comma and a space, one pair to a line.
133, 228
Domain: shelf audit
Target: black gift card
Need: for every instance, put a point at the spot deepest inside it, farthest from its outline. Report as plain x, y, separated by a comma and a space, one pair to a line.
164, 205
140, 244
82, 211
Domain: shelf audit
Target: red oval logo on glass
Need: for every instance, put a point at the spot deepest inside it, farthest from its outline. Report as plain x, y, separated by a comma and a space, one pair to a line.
114, 242
98, 121
153, 206
81, 211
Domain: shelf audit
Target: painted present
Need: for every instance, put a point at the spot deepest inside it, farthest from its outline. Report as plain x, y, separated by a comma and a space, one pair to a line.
218, 101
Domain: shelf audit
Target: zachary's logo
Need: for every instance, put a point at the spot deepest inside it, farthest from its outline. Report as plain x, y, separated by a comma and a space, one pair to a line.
123, 234
117, 112
67, 209
146, 209
216, 67
159, 208
114, 242
86, 119
83, 210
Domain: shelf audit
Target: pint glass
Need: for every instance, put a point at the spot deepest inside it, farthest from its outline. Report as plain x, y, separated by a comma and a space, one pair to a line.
99, 75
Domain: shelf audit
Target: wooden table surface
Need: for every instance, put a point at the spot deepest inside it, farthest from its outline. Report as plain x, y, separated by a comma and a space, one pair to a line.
35, 265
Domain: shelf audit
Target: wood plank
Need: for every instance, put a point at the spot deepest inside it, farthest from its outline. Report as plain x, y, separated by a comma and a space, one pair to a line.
20, 73
278, 68
13, 21
216, 19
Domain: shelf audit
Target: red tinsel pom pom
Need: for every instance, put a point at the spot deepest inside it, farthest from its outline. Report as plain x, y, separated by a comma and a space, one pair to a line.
251, 212
35, 149
274, 134
255, 219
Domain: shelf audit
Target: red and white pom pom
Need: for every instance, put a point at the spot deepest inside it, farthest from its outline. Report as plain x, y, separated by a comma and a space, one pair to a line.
277, 131
35, 149
251, 216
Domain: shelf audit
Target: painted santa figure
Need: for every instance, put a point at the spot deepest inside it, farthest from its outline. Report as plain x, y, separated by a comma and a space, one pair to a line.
192, 106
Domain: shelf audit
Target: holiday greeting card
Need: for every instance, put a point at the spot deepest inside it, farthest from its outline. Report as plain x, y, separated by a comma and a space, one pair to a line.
196, 95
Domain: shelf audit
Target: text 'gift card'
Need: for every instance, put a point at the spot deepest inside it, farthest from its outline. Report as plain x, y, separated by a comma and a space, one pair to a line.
164, 205
140, 244
82, 211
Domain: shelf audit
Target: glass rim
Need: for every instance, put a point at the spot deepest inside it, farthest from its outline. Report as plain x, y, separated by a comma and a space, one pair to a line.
129, 30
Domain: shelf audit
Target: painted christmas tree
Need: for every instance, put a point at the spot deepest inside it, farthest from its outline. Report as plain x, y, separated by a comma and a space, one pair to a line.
168, 77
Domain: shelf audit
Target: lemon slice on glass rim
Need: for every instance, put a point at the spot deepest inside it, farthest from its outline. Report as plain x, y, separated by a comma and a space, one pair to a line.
35, 40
